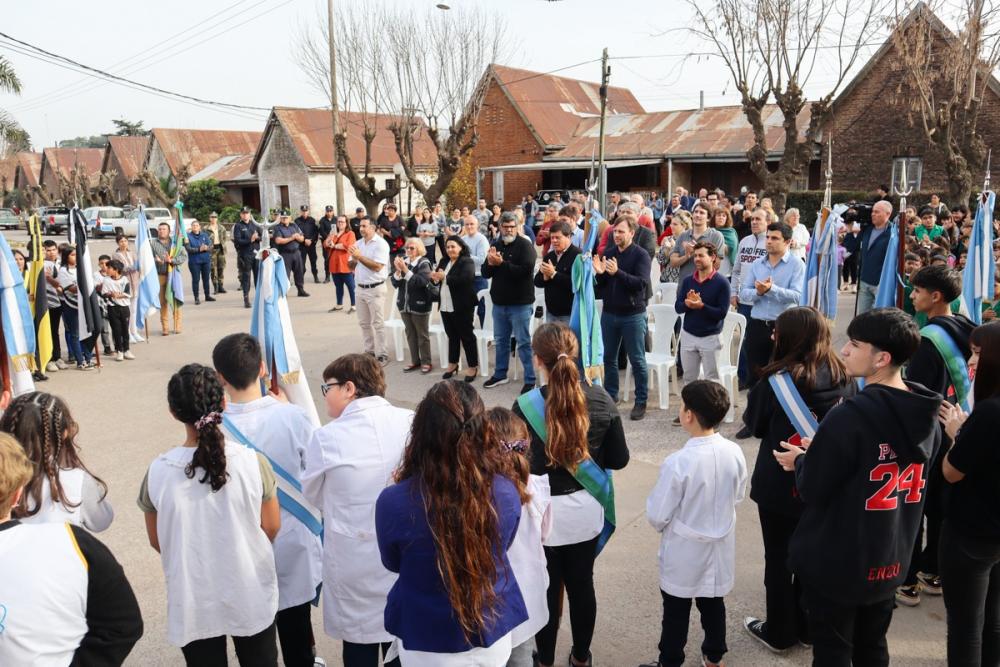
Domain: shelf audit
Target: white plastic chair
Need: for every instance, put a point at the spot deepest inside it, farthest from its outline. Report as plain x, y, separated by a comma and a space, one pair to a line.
484, 333
733, 328
394, 325
662, 360
539, 303
666, 293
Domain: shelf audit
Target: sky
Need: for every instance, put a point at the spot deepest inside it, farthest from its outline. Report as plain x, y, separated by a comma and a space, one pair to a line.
244, 52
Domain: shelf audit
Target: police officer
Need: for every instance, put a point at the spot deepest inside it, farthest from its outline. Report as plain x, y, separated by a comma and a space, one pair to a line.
310, 238
288, 238
246, 239
326, 225
219, 235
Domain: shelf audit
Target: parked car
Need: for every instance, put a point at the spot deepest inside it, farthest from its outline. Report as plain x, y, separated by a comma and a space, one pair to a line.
104, 220
154, 216
9, 219
54, 219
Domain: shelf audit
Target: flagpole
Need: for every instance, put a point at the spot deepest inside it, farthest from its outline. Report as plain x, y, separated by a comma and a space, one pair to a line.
902, 191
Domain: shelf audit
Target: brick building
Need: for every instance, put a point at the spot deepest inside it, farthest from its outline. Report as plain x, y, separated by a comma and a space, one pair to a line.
124, 156
172, 151
64, 160
28, 170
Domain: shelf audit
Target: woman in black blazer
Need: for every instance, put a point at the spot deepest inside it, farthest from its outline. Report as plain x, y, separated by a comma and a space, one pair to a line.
456, 274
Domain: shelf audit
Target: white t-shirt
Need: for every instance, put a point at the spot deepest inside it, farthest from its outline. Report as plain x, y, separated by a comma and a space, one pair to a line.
800, 238
87, 503
576, 517
120, 284
377, 250
527, 558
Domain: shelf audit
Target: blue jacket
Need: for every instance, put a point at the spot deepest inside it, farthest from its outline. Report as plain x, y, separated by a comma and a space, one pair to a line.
873, 254
625, 292
714, 292
196, 256
417, 609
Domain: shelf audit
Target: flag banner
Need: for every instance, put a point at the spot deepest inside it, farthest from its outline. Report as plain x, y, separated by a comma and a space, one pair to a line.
271, 325
15, 313
821, 265
980, 266
148, 297
87, 303
584, 319
175, 281
38, 296
890, 281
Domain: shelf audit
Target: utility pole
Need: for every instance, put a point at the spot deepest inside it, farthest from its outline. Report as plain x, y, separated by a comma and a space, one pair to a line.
602, 189
335, 112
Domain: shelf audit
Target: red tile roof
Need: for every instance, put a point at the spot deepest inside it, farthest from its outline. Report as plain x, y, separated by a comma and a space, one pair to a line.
197, 149
130, 153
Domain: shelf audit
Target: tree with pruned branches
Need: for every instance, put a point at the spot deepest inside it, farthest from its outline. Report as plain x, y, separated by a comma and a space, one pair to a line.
771, 49
945, 79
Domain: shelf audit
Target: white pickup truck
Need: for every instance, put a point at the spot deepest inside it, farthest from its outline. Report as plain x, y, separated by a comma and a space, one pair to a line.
128, 226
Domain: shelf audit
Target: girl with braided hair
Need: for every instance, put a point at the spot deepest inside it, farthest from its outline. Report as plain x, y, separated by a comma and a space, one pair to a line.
212, 512
61, 488
455, 602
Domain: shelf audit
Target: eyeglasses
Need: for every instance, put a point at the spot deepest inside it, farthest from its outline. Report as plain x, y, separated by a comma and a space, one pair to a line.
327, 386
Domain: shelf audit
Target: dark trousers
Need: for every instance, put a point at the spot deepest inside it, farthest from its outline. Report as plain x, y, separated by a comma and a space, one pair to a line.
366, 655
340, 281
743, 366
786, 617
295, 634
570, 566
326, 262
970, 575
308, 252
458, 328
851, 269
118, 319
674, 631
259, 650
759, 347
201, 272
55, 314
843, 636
294, 266
925, 557
246, 265
481, 284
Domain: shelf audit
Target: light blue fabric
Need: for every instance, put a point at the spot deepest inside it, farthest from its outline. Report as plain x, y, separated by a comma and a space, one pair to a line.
788, 282
890, 282
980, 267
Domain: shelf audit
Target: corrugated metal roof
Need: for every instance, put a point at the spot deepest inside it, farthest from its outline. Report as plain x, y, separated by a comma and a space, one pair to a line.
228, 169
554, 105
197, 149
64, 160
31, 166
311, 130
130, 153
7, 167
714, 131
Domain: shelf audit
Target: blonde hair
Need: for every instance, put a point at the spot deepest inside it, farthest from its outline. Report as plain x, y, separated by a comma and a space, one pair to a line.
684, 218
15, 471
417, 245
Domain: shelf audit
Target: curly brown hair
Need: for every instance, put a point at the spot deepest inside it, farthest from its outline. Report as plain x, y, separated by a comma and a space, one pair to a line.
510, 429
193, 393
566, 418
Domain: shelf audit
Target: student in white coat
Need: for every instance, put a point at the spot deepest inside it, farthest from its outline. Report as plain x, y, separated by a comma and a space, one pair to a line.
281, 432
348, 463
694, 506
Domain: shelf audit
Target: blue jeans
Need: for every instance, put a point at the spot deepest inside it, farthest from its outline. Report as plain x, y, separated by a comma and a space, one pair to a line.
866, 296
340, 280
201, 271
743, 366
481, 284
628, 331
512, 321
80, 353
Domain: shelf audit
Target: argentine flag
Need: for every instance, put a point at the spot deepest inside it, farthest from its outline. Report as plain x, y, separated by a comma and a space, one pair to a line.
980, 267
821, 266
148, 297
890, 280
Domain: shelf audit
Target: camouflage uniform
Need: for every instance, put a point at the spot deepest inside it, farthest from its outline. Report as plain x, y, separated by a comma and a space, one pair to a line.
219, 237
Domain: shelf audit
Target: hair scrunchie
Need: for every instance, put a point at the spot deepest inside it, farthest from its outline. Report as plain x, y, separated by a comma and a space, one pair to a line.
209, 419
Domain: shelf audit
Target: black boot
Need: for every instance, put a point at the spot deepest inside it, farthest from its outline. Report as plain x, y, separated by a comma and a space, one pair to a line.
246, 301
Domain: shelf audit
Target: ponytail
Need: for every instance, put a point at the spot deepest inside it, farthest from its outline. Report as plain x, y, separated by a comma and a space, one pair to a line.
195, 396
566, 418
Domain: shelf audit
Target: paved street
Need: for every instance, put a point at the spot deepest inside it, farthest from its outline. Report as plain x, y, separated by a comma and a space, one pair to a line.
124, 423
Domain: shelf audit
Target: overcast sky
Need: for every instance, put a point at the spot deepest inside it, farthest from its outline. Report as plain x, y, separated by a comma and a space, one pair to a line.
243, 52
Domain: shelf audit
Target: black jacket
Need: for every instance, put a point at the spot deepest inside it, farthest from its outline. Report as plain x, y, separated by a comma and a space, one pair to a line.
559, 288
511, 284
771, 487
605, 441
862, 481
326, 225
412, 295
461, 283
625, 292
242, 233
308, 227
926, 365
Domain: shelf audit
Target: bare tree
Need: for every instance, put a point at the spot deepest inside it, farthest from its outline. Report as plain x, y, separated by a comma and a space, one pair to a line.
771, 48
945, 76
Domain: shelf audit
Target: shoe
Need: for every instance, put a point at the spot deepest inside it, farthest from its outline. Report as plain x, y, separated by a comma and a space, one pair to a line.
471, 378
744, 433
352, 309
383, 361
302, 292
758, 630
525, 388
676, 421
589, 663
318, 661
705, 662
326, 280
61, 365
83, 367
177, 332
638, 412
335, 309
209, 298
38, 376
221, 290
495, 382
93, 363
425, 369
316, 279
449, 374
929, 583
120, 356
128, 355
908, 596
411, 368
51, 367
246, 302
197, 301
107, 351
166, 333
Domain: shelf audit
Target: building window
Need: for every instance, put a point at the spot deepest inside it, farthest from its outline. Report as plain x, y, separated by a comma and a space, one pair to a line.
914, 172
283, 194
801, 182
498, 186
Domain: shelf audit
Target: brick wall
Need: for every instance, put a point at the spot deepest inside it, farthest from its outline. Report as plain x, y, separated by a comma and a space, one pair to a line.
504, 138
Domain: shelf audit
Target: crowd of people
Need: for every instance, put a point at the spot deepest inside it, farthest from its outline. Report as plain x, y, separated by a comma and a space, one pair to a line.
450, 535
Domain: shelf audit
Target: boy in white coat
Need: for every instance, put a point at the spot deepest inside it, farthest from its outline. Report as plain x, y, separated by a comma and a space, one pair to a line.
281, 432
694, 506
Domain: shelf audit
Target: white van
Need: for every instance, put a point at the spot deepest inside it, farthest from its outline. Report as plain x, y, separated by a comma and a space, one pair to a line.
104, 220
154, 216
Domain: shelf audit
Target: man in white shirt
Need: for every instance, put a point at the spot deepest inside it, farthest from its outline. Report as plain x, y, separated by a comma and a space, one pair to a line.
800, 235
479, 245
751, 248
371, 254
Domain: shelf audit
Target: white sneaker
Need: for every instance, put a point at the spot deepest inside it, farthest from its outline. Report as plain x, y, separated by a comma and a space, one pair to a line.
128, 355
318, 661
51, 367
119, 356
61, 365
352, 309
135, 338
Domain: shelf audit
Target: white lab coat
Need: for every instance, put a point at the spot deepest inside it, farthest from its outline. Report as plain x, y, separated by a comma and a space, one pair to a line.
694, 506
527, 558
348, 464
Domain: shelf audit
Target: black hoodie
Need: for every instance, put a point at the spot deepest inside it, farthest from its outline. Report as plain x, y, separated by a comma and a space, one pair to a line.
927, 367
771, 487
862, 482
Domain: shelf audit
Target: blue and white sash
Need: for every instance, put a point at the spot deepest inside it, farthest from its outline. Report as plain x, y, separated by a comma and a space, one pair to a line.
290, 496
795, 408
